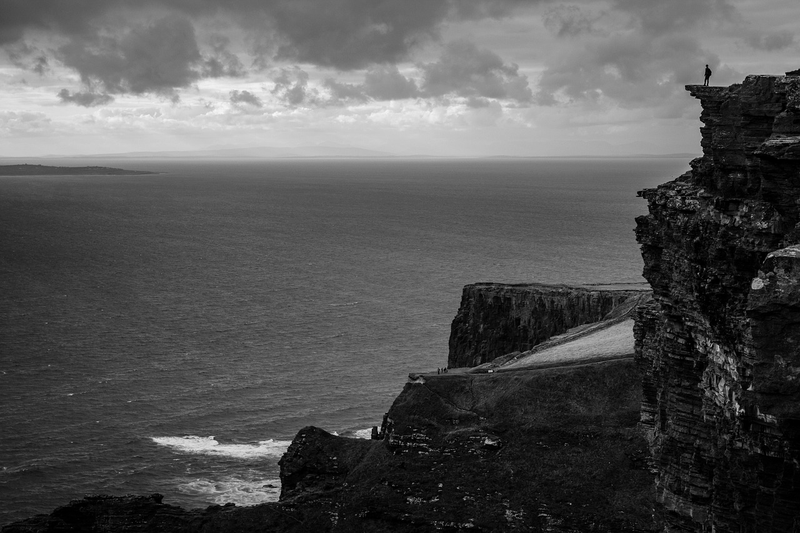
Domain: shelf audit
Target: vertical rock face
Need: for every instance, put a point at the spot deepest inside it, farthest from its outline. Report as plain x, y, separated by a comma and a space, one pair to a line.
721, 341
496, 319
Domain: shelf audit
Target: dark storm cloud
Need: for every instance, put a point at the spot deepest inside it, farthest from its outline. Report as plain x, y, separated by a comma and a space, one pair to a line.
344, 34
636, 53
155, 58
245, 97
351, 34
466, 70
463, 70
291, 86
28, 57
381, 82
222, 62
85, 99
387, 83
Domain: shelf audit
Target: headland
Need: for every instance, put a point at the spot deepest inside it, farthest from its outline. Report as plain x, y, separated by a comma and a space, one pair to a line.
673, 408
45, 170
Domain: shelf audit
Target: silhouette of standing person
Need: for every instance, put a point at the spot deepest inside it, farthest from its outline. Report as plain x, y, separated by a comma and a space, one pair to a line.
707, 76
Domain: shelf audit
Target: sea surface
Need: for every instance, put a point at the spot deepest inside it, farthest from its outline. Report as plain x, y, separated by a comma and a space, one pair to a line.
171, 333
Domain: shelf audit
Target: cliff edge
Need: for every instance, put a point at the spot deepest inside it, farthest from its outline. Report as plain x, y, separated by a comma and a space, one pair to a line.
719, 342
546, 440
496, 319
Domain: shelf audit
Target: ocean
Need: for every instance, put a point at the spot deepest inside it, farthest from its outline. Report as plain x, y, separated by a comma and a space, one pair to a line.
171, 333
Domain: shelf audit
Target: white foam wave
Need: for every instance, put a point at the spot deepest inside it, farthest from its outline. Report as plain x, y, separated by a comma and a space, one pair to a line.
210, 446
233, 490
345, 304
363, 433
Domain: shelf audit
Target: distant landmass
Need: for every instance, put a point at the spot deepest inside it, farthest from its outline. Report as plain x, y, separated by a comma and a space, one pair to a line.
44, 170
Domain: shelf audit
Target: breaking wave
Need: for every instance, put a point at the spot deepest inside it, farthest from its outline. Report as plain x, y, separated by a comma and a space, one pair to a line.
234, 490
210, 446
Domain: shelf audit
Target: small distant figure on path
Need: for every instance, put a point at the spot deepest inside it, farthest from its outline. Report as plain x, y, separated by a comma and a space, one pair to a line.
438, 370
707, 76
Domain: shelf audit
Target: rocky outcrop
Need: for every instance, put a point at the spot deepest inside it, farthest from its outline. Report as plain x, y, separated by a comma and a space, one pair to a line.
719, 343
556, 450
496, 319
548, 450
146, 514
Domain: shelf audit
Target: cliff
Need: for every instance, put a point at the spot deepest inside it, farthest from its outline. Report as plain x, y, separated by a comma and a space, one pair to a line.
496, 319
555, 450
557, 447
546, 440
719, 342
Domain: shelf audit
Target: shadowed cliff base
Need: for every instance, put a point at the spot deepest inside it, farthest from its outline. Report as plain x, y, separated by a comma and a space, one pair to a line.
553, 446
536, 450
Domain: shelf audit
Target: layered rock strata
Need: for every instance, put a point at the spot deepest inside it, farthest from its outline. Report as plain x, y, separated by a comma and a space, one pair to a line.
497, 319
719, 343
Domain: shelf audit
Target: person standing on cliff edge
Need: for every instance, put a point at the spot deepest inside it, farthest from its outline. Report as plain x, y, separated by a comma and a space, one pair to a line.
707, 76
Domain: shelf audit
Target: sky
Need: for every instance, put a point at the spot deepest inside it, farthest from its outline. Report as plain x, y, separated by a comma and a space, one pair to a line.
453, 78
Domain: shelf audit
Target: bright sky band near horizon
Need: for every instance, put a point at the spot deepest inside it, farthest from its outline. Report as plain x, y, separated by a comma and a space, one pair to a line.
453, 78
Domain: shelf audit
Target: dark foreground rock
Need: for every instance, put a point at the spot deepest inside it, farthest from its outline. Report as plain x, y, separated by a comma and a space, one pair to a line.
720, 342
495, 319
547, 450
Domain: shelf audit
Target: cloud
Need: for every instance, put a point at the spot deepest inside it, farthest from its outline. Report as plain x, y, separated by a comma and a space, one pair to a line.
155, 58
568, 21
466, 70
14, 123
159, 57
345, 91
771, 41
291, 86
632, 54
343, 34
222, 62
85, 99
245, 97
633, 70
463, 70
478, 10
351, 34
659, 18
28, 57
387, 83
380, 83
